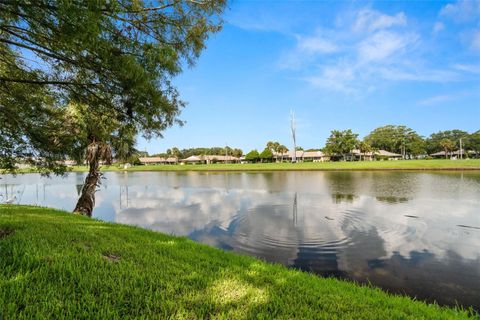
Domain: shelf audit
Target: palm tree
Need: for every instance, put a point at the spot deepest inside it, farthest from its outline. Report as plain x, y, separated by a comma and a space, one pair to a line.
447, 146
282, 150
364, 148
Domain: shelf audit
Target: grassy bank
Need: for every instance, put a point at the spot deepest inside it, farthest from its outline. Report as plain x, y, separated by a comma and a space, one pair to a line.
443, 164
438, 164
55, 265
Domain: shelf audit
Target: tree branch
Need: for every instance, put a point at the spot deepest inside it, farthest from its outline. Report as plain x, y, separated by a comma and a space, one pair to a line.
47, 82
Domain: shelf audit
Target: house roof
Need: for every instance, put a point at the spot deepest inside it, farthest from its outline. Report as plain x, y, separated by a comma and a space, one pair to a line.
357, 152
220, 158
313, 154
387, 153
156, 159
455, 153
192, 159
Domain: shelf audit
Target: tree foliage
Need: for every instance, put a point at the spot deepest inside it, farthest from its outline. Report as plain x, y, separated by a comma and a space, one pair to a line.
434, 141
252, 156
341, 142
266, 155
397, 139
213, 151
473, 142
113, 59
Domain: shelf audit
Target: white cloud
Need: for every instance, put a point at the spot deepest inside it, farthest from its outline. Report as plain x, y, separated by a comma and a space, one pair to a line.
438, 26
316, 44
462, 11
335, 78
470, 68
421, 74
383, 45
476, 40
435, 100
382, 49
467, 15
371, 20
307, 48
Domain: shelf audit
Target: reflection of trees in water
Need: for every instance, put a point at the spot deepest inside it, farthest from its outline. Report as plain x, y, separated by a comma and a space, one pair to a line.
392, 187
340, 197
392, 199
342, 184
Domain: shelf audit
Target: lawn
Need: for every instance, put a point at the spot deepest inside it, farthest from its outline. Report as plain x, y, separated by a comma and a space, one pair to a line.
442, 164
58, 265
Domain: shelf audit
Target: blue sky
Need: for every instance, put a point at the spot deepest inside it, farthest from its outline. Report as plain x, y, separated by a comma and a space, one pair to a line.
338, 65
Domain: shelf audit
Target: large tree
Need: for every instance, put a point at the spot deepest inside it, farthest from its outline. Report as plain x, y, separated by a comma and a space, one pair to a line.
398, 139
266, 155
252, 156
112, 61
473, 142
341, 142
433, 142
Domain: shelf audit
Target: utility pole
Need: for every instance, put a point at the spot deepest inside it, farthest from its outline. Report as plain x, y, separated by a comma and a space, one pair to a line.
292, 127
461, 149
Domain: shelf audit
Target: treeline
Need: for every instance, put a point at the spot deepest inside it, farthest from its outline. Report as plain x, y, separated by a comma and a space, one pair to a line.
215, 151
404, 141
393, 138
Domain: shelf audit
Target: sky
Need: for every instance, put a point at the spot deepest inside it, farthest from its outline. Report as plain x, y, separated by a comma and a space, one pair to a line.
337, 65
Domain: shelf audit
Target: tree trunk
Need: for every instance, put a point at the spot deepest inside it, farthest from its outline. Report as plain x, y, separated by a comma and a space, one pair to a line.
86, 202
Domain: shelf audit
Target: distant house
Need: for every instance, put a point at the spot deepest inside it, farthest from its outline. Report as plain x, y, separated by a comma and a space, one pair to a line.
389, 155
301, 156
456, 154
354, 155
157, 160
70, 163
364, 156
315, 156
209, 159
222, 159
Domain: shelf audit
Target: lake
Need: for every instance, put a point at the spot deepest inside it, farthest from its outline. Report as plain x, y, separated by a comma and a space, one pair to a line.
414, 233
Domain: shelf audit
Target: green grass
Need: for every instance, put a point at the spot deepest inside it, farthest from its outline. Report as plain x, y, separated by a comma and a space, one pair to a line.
58, 265
438, 164
442, 164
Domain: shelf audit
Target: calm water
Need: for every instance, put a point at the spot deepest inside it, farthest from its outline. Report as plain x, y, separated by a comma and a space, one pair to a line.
412, 233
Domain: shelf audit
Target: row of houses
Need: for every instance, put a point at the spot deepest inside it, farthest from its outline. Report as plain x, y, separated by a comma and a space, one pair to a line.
202, 159
456, 154
299, 156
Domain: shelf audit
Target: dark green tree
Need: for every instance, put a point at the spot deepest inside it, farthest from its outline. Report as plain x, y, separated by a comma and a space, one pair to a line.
252, 156
237, 152
113, 60
433, 142
341, 142
473, 142
397, 139
266, 155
